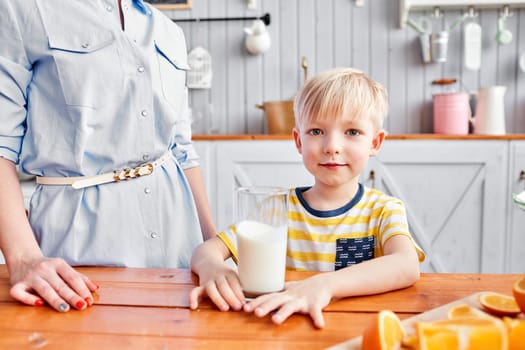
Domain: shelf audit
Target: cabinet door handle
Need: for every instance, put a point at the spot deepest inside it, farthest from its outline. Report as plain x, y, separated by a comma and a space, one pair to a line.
372, 178
522, 175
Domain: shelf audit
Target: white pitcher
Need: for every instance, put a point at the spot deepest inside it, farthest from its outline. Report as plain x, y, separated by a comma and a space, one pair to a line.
490, 111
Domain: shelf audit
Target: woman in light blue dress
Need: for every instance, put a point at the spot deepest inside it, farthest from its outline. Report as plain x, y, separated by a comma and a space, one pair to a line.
88, 90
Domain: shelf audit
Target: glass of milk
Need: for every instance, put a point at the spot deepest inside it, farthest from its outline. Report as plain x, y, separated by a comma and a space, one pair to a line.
262, 229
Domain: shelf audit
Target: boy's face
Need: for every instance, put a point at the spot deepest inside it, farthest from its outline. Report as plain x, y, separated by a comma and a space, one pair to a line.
336, 150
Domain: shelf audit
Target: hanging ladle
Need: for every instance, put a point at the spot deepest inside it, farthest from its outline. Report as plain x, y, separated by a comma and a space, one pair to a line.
304, 64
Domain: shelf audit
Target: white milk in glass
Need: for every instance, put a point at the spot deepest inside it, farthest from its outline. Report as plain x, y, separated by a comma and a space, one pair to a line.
262, 256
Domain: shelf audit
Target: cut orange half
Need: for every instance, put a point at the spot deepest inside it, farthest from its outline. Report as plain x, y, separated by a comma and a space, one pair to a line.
499, 304
464, 334
384, 332
518, 290
466, 311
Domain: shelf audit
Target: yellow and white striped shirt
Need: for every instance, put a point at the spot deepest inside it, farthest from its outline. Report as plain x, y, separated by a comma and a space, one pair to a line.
333, 239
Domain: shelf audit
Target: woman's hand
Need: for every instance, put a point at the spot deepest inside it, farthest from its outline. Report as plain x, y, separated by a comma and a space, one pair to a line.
52, 281
308, 296
221, 284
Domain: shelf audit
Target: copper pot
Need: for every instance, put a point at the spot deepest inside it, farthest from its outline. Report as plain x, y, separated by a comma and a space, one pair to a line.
279, 116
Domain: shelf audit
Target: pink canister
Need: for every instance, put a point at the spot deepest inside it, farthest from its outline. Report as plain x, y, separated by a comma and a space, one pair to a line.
451, 113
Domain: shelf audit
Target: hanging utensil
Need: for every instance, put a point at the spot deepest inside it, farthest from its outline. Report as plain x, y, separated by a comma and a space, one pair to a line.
472, 45
304, 64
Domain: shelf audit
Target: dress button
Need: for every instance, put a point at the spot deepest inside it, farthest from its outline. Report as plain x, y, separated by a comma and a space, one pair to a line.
145, 156
140, 69
144, 113
109, 8
147, 190
154, 235
85, 45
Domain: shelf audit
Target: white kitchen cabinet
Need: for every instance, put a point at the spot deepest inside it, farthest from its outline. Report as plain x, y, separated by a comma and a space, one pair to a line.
455, 191
455, 195
233, 164
515, 216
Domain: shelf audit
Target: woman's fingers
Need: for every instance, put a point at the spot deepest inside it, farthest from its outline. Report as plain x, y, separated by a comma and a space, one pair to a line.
76, 289
19, 292
55, 282
37, 293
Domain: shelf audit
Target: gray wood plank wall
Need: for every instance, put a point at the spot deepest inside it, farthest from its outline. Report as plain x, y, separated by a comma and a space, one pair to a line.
332, 33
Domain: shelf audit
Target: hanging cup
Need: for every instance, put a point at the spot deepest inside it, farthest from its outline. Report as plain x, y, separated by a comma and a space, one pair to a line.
439, 44
424, 41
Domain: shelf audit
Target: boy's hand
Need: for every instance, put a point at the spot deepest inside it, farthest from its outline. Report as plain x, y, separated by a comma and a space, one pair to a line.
309, 296
221, 284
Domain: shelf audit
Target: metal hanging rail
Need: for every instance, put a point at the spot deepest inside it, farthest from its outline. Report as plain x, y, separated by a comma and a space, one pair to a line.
405, 6
265, 18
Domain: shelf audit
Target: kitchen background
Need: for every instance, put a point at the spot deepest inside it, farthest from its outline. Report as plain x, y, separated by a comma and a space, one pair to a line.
332, 33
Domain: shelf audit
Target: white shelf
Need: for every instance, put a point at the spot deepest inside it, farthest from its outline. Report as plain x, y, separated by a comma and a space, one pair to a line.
405, 6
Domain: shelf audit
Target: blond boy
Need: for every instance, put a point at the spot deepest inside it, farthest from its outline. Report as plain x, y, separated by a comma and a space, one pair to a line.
357, 236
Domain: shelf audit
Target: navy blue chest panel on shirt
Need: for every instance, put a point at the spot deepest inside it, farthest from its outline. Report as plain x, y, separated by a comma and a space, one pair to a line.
351, 251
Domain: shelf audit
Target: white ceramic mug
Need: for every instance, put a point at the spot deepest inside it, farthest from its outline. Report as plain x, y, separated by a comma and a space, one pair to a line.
262, 230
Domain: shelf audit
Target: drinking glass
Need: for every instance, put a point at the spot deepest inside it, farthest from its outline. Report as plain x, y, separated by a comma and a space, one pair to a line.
262, 228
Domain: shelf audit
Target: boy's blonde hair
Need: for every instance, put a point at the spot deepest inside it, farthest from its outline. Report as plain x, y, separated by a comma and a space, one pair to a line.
341, 92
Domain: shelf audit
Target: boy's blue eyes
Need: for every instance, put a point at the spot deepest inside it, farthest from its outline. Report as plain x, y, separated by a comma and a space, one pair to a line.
351, 132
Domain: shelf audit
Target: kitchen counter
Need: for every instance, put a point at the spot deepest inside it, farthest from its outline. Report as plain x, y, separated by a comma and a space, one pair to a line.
389, 137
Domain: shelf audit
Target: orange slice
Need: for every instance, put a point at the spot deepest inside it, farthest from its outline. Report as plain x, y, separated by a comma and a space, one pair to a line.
516, 329
499, 304
464, 334
466, 311
518, 290
384, 332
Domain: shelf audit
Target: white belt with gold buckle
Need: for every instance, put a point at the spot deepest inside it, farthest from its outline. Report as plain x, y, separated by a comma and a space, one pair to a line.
78, 182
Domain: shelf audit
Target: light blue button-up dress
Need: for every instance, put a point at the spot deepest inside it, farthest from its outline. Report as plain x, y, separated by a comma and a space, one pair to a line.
80, 96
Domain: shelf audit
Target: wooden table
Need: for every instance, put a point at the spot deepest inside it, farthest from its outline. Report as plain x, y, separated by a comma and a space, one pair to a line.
148, 309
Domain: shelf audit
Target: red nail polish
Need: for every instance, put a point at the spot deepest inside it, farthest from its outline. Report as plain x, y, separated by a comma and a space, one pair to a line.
96, 285
80, 304
89, 301
39, 302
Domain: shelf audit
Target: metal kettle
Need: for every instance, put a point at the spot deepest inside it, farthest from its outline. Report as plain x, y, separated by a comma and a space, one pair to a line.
490, 111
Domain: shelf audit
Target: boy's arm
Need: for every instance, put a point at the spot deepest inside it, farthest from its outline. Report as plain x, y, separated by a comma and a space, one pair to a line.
217, 280
398, 268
